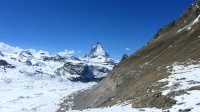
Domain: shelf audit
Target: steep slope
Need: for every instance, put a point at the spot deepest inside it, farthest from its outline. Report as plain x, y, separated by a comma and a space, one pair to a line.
135, 79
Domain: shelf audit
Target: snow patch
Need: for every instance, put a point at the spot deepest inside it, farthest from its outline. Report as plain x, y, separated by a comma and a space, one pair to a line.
40, 92
189, 26
184, 77
119, 108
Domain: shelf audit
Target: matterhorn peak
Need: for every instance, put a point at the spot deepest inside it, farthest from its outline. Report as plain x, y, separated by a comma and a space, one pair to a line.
98, 50
98, 54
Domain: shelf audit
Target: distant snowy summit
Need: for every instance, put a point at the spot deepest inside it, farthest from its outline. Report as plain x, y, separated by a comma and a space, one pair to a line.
99, 55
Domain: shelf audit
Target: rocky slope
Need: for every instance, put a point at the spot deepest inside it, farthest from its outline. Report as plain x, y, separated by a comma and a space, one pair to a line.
140, 77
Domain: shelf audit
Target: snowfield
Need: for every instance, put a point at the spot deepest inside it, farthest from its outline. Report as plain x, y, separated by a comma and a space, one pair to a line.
38, 93
119, 108
29, 82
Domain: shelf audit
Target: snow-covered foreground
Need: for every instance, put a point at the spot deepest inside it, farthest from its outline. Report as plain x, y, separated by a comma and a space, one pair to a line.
183, 78
41, 93
118, 108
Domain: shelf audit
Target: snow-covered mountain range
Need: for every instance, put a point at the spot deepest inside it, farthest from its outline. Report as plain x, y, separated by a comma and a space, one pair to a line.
94, 65
33, 80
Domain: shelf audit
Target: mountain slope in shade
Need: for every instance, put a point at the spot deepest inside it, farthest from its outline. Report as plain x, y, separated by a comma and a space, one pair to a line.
144, 77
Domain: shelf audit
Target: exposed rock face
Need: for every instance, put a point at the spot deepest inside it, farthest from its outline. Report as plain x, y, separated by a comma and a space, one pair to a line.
125, 56
26, 55
131, 78
1, 54
4, 64
83, 70
28, 63
53, 58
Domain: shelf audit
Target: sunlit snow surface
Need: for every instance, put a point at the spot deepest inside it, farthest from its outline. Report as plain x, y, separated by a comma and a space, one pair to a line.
22, 89
39, 93
119, 108
183, 77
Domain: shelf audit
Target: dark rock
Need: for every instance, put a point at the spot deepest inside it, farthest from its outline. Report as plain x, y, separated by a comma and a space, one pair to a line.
100, 69
1, 54
185, 110
29, 63
198, 104
83, 70
45, 58
75, 58
42, 53
39, 72
54, 58
125, 56
13, 58
141, 110
5, 64
27, 55
39, 64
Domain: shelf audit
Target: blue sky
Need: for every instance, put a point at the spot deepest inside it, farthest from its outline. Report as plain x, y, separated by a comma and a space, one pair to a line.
56, 25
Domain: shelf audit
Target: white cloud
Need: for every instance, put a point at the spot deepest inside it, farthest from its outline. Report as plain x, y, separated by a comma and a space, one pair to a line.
127, 49
66, 53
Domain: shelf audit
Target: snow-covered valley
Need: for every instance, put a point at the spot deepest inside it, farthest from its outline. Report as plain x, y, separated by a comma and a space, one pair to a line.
37, 81
39, 93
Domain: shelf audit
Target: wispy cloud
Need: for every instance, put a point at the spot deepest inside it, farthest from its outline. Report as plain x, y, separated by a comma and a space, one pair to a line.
66, 53
127, 49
